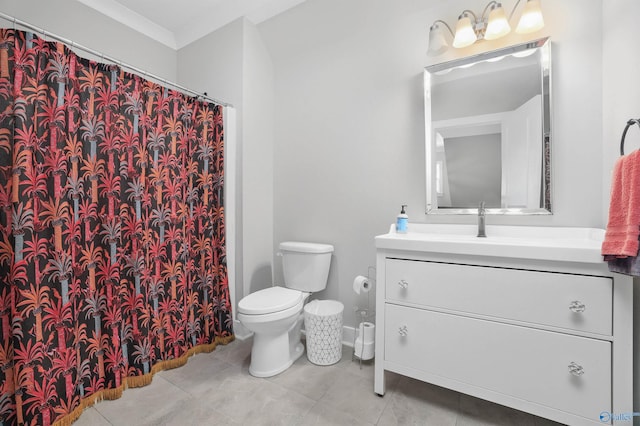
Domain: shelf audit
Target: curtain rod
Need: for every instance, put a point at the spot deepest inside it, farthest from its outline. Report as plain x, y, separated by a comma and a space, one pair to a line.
107, 58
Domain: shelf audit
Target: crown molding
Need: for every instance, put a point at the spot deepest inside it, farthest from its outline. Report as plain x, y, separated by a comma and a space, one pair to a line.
133, 20
211, 17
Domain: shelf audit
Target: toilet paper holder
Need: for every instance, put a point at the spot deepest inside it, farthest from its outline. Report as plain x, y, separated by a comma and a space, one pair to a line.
364, 332
364, 336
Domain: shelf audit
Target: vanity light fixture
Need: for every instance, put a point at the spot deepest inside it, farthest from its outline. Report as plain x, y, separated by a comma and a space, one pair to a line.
437, 41
470, 28
465, 30
497, 23
531, 19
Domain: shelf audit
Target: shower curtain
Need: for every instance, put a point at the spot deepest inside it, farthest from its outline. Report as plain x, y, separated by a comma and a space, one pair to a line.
112, 239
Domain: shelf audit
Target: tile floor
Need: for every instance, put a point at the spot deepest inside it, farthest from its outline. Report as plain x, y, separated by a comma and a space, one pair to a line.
216, 389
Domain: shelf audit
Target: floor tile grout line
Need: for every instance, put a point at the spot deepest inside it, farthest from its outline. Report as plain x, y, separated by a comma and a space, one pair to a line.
319, 402
99, 413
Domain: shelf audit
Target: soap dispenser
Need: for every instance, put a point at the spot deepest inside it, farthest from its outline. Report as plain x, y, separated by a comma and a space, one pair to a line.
402, 221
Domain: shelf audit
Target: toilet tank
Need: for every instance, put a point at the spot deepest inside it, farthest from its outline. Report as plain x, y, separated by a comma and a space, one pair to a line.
305, 265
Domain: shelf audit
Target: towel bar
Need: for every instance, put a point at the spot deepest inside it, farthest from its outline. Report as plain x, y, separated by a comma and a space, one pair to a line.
624, 133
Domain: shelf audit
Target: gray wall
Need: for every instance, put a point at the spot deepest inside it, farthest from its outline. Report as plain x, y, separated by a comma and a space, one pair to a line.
474, 170
83, 25
349, 121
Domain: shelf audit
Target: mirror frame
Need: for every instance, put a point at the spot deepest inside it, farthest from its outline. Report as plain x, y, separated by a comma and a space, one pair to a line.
544, 45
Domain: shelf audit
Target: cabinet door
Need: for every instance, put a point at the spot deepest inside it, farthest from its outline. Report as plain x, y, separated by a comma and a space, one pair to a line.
565, 372
573, 302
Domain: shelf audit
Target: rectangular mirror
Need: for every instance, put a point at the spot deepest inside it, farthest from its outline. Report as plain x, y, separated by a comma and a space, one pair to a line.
488, 132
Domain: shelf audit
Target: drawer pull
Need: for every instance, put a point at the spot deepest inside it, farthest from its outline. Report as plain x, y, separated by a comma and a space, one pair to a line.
577, 307
402, 331
403, 284
576, 369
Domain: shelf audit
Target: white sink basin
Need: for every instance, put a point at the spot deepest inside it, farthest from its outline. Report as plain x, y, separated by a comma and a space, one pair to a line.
524, 242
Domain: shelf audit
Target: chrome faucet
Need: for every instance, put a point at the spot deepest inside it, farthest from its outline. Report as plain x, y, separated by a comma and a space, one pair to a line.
481, 214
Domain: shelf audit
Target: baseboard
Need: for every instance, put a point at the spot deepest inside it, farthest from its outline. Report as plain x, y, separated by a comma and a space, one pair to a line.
240, 331
348, 333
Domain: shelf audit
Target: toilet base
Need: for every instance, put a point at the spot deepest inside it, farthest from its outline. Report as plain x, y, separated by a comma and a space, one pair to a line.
257, 372
273, 352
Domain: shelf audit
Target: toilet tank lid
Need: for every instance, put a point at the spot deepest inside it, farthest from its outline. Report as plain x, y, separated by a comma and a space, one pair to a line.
306, 247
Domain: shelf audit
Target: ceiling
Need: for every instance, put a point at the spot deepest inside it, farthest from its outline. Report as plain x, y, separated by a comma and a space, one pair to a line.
178, 23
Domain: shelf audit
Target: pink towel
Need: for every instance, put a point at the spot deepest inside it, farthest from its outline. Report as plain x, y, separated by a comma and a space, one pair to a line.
623, 228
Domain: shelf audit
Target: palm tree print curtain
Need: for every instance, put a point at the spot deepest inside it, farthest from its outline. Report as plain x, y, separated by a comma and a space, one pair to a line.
112, 261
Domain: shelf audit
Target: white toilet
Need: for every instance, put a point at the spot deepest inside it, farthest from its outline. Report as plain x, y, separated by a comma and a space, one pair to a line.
275, 314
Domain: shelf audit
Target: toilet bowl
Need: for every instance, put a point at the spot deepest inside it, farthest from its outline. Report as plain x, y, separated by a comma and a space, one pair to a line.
274, 314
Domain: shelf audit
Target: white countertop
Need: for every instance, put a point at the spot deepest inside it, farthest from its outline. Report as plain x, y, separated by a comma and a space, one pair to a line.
524, 242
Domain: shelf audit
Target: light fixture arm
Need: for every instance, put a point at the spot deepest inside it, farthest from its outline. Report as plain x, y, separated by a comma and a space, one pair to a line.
514, 9
469, 12
445, 24
491, 3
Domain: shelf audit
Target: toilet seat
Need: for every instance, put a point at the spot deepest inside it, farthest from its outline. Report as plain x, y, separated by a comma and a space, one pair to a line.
292, 312
270, 300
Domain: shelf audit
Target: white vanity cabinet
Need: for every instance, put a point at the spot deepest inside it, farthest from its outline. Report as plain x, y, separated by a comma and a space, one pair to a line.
553, 338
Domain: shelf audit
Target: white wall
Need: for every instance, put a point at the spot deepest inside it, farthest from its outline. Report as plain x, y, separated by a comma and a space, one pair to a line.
257, 161
621, 101
83, 25
232, 65
620, 83
213, 64
349, 144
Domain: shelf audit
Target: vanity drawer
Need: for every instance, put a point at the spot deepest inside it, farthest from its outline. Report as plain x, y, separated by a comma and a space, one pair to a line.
529, 364
574, 302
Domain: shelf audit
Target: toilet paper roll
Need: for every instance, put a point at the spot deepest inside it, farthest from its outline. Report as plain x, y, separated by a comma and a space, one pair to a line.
366, 332
364, 351
361, 284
